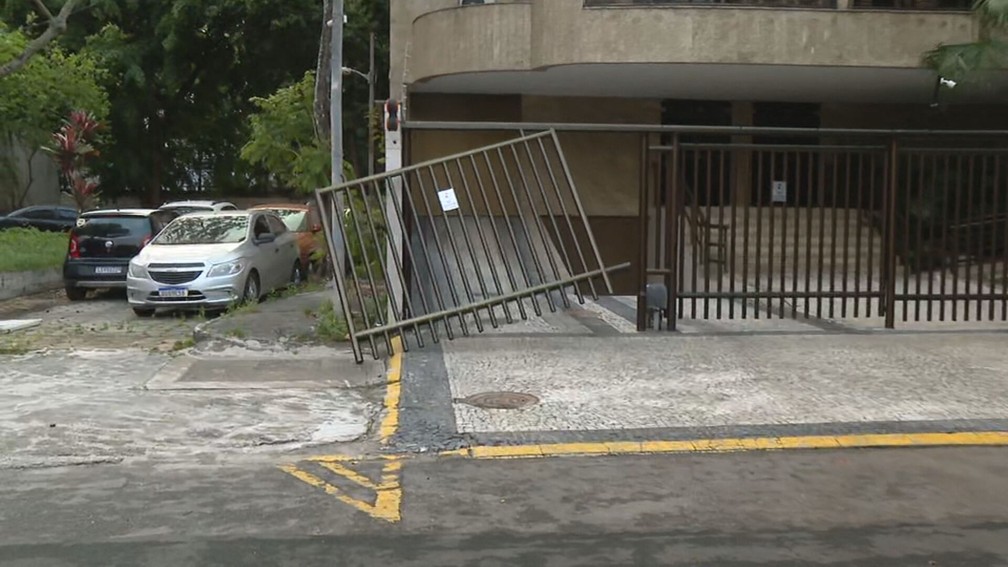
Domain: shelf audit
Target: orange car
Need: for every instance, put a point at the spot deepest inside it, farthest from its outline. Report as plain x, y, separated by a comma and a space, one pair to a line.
303, 220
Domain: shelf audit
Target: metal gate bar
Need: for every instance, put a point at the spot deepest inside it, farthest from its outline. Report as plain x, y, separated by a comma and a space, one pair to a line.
940, 215
463, 240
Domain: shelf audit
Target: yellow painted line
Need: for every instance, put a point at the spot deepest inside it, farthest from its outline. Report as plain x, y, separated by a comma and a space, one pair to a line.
388, 493
352, 475
390, 423
734, 445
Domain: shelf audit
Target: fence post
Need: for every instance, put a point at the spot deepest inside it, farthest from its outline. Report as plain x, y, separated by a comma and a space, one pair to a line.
672, 243
889, 236
643, 219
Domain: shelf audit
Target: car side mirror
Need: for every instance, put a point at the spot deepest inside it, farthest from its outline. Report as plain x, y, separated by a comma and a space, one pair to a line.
265, 238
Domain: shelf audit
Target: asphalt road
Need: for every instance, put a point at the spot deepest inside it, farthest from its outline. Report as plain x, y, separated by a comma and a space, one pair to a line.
920, 508
158, 503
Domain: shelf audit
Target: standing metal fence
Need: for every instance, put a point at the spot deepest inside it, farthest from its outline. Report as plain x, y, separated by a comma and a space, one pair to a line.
826, 231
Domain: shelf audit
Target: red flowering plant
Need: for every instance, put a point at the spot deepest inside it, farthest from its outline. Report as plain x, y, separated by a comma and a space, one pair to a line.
74, 149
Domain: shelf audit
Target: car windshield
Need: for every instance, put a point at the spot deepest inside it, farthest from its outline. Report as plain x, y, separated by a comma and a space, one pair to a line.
295, 220
112, 226
204, 230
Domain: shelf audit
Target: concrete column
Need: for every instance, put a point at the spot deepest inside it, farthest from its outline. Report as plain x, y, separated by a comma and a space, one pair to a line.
741, 160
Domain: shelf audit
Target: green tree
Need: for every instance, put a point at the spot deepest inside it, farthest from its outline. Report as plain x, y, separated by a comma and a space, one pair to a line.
35, 99
181, 76
56, 24
968, 61
283, 139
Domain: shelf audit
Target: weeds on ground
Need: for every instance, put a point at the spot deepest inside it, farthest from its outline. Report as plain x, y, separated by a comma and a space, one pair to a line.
330, 326
237, 333
184, 344
242, 307
25, 249
13, 348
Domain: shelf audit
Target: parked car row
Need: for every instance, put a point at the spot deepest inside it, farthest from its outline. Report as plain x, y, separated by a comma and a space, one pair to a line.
43, 217
192, 254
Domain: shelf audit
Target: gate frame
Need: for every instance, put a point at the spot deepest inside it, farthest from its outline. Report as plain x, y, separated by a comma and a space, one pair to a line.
329, 200
888, 137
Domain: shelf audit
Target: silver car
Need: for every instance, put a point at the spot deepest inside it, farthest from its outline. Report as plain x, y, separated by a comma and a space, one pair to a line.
213, 260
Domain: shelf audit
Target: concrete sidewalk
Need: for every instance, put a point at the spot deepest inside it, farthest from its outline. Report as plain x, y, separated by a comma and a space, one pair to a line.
598, 380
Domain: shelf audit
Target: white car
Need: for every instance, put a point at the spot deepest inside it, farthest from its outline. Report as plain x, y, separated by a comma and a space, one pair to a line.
187, 207
213, 260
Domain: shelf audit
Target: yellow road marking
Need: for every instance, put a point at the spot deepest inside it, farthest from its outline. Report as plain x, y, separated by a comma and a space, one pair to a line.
387, 504
388, 492
733, 445
390, 423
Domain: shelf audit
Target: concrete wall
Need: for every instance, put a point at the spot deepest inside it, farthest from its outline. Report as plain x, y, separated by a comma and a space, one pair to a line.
16, 284
14, 182
437, 37
401, 16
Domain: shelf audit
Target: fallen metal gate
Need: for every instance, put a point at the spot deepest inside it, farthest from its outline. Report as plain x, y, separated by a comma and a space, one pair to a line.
460, 241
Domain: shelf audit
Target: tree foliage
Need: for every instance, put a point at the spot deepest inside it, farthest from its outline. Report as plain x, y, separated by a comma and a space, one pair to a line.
968, 61
34, 100
182, 74
181, 78
284, 141
56, 24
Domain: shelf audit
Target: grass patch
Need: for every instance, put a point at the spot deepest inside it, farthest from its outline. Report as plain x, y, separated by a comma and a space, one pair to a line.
13, 347
330, 326
237, 333
184, 344
26, 249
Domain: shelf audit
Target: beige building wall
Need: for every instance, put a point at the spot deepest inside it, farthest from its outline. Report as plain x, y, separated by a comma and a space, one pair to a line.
437, 37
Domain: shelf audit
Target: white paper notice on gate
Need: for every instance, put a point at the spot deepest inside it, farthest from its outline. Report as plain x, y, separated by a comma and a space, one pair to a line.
449, 202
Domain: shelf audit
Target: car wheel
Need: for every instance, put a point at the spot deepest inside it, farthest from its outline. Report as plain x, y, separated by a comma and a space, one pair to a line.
251, 293
144, 311
75, 293
297, 276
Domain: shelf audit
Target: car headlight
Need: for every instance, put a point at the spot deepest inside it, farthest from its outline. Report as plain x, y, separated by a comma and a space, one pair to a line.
225, 269
137, 270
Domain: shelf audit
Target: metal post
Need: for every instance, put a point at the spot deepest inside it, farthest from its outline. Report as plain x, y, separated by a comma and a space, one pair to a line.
672, 243
393, 206
336, 125
889, 224
643, 218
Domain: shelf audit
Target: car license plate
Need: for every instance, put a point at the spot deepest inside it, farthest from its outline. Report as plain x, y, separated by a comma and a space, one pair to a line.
173, 292
108, 270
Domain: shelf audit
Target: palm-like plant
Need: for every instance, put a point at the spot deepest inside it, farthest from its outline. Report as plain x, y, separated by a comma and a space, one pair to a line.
964, 60
73, 148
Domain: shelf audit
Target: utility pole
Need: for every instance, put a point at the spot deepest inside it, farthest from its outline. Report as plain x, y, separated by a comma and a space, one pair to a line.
336, 126
371, 110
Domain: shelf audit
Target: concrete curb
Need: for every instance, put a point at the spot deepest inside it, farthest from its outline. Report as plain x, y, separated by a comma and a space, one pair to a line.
16, 284
275, 323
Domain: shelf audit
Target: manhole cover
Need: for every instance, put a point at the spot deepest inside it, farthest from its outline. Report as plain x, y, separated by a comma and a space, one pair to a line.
501, 400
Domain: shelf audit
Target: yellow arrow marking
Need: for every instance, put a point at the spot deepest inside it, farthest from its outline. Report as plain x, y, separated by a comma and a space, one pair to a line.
388, 491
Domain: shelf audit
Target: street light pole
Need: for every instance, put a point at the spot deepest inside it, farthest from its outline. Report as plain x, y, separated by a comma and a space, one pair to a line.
371, 78
371, 110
